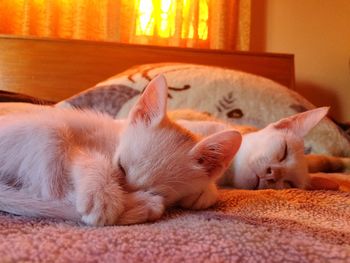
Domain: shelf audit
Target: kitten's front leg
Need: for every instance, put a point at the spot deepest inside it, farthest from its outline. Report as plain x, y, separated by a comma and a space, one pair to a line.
203, 200
140, 207
99, 196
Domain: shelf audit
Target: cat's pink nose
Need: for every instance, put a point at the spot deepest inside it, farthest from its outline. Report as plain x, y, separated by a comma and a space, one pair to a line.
272, 174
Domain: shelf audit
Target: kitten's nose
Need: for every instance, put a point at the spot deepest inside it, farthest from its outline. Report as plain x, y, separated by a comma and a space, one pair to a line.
272, 174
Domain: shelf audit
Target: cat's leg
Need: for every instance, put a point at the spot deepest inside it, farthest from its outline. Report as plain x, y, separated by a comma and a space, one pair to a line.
99, 197
140, 207
329, 181
329, 164
205, 199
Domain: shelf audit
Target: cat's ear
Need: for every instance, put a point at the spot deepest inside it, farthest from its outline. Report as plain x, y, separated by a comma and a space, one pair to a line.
151, 106
301, 123
215, 152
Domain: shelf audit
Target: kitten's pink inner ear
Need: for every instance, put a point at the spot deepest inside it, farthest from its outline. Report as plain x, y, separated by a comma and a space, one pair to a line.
216, 151
301, 124
151, 106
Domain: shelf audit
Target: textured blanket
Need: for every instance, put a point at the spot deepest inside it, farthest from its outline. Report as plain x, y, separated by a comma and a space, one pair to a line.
245, 226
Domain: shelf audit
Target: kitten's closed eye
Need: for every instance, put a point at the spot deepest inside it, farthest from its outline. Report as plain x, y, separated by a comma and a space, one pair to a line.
285, 153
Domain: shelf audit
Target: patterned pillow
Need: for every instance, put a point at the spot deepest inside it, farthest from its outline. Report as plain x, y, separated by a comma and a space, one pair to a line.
232, 95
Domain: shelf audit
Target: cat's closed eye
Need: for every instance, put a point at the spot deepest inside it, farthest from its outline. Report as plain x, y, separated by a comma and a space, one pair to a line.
285, 153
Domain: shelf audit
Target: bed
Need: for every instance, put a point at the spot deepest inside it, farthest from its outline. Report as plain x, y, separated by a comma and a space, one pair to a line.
245, 226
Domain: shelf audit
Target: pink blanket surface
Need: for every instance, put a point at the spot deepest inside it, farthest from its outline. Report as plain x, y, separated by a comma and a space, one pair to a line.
245, 226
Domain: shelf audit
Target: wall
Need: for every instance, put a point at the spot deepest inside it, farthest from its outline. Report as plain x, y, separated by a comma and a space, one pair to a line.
317, 32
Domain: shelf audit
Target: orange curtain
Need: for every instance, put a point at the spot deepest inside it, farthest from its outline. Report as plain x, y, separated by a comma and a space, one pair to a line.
216, 24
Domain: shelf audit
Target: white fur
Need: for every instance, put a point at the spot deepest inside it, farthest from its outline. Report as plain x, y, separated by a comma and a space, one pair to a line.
66, 163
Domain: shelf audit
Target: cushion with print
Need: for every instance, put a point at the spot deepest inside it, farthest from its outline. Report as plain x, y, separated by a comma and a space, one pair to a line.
232, 95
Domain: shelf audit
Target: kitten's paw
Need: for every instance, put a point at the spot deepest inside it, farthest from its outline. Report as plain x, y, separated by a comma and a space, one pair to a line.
142, 207
98, 195
154, 206
96, 212
100, 208
203, 200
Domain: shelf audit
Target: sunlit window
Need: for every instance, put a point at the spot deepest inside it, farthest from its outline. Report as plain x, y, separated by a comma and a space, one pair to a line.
159, 18
215, 24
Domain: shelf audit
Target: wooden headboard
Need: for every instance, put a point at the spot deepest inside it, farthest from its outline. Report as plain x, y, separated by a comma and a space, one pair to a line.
56, 69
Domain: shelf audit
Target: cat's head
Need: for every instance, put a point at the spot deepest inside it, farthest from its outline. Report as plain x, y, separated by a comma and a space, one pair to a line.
274, 156
160, 156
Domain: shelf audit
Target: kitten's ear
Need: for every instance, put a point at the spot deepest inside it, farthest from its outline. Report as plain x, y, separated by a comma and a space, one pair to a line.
215, 152
301, 123
151, 106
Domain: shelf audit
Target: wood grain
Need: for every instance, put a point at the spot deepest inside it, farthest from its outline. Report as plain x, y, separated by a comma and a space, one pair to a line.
56, 69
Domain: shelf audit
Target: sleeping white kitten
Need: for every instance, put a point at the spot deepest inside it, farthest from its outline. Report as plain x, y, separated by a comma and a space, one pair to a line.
272, 157
81, 165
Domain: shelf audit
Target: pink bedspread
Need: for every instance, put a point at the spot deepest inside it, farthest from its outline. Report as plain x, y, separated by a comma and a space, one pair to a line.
245, 226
